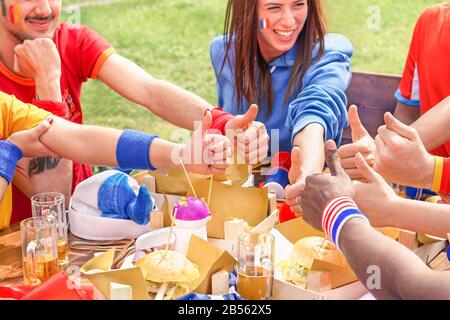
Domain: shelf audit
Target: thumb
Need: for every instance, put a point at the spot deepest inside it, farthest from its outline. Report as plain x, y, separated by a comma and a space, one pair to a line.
42, 127
400, 128
206, 122
332, 159
371, 175
242, 121
296, 165
357, 128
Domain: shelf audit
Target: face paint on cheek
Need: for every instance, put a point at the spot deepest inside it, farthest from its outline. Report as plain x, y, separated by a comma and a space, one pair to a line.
14, 13
264, 24
3, 8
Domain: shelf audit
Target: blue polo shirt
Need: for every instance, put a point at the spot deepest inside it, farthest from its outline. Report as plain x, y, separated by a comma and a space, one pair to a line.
321, 100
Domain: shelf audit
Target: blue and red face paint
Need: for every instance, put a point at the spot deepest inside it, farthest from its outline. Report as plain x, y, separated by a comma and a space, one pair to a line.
264, 24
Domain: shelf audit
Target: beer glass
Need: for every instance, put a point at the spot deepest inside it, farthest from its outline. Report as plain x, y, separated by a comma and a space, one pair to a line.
52, 205
39, 249
256, 266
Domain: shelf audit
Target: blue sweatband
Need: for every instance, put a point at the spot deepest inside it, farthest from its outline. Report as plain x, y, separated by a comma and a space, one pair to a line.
133, 150
9, 155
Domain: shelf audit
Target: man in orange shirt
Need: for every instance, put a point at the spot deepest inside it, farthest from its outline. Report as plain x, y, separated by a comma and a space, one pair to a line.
425, 85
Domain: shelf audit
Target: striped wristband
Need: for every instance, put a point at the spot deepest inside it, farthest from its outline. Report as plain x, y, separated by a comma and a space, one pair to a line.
336, 213
441, 177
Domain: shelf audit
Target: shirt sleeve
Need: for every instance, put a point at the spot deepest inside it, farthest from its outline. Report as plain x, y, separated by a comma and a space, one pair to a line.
18, 116
216, 52
94, 50
322, 99
408, 91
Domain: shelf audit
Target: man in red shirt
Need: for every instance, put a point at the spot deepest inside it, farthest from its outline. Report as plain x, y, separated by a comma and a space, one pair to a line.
45, 62
425, 85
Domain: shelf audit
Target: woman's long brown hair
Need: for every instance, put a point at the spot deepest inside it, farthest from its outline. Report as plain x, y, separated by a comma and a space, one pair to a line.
251, 73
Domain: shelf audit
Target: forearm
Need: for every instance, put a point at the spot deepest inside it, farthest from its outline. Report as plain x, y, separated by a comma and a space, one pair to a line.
99, 145
82, 143
311, 144
171, 103
165, 154
420, 216
49, 88
406, 114
176, 105
432, 126
402, 275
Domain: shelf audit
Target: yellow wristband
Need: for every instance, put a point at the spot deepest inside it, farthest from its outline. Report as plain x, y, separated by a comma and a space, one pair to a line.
437, 178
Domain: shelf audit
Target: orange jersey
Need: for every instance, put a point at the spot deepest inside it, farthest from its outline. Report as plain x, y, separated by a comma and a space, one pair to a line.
426, 78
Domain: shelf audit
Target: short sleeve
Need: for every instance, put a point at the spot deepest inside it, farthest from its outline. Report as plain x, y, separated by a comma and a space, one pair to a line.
94, 50
18, 116
408, 91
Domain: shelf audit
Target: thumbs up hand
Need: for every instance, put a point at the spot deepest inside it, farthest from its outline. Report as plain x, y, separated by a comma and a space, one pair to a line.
250, 136
296, 182
206, 153
375, 198
320, 188
362, 142
401, 156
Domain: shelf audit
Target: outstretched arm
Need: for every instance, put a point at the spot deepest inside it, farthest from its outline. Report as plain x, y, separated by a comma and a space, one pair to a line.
168, 101
402, 274
327, 203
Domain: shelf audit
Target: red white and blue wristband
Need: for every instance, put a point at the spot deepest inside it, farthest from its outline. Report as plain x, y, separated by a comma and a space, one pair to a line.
336, 213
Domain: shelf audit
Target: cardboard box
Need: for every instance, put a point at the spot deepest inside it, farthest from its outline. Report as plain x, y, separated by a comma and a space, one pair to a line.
205, 255
345, 284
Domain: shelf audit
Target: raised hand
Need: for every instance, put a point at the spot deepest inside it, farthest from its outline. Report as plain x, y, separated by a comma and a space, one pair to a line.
206, 153
320, 188
39, 60
296, 182
401, 156
375, 198
362, 142
250, 136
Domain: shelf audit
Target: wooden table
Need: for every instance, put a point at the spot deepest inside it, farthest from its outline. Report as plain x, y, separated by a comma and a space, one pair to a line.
11, 253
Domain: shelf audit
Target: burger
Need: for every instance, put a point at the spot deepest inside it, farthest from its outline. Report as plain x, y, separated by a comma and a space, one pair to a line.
304, 252
169, 274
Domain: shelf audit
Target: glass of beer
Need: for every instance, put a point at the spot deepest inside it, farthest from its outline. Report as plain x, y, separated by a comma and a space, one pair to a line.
52, 205
39, 249
256, 266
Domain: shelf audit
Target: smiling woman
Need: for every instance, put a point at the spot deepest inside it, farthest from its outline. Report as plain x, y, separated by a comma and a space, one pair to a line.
276, 53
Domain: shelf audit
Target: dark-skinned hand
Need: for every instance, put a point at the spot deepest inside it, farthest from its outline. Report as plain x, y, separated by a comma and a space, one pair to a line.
320, 188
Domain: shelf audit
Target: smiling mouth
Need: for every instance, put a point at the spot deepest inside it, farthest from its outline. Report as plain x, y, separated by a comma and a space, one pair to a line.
285, 35
38, 21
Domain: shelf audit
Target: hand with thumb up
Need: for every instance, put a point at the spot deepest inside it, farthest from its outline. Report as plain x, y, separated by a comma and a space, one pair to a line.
249, 137
320, 188
362, 142
206, 153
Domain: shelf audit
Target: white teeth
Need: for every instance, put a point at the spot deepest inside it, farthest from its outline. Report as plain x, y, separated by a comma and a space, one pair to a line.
284, 34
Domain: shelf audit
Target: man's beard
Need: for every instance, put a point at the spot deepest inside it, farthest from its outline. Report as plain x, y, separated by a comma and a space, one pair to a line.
23, 36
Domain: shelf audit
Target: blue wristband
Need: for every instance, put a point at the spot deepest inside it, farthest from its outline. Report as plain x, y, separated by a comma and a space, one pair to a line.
9, 155
133, 150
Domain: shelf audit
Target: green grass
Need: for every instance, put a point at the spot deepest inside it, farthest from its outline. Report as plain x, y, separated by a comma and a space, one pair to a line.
170, 39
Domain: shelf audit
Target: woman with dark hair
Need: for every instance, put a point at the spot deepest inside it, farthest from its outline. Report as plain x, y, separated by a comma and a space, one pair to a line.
277, 54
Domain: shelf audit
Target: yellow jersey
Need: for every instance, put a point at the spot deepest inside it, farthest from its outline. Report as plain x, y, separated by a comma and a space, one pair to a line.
15, 116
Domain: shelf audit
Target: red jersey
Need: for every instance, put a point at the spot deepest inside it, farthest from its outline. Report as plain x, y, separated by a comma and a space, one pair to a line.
426, 78
82, 53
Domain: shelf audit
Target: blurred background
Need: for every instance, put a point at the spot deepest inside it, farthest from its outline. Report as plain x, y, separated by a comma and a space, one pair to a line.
170, 39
